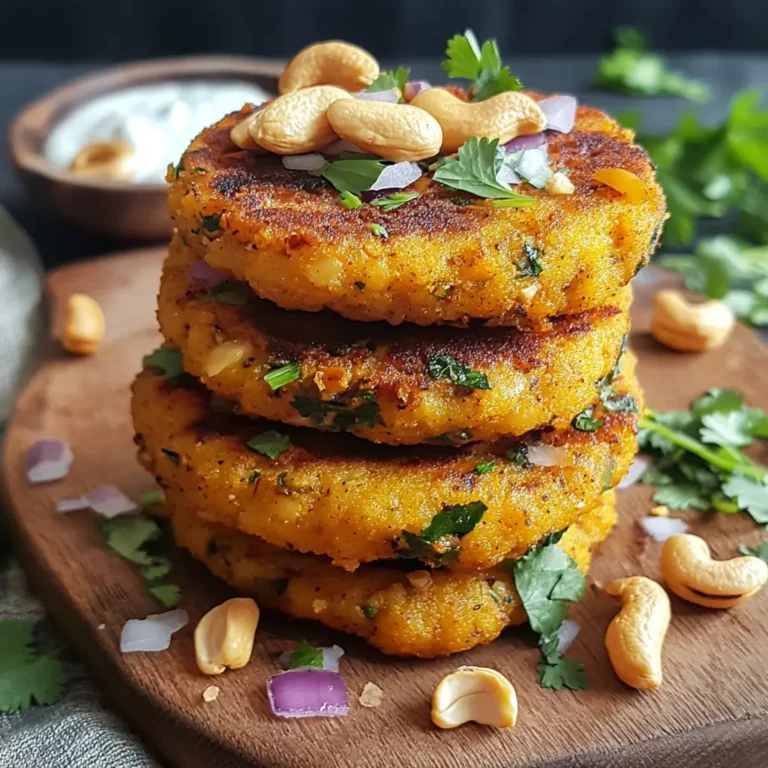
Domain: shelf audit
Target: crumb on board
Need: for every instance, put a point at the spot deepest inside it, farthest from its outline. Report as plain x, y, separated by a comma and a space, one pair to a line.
318, 606
372, 695
211, 693
660, 511
101, 626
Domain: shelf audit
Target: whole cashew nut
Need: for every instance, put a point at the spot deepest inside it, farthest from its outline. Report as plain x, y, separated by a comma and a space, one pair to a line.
84, 327
224, 636
636, 634
330, 63
692, 574
474, 694
501, 117
241, 133
397, 132
687, 327
297, 122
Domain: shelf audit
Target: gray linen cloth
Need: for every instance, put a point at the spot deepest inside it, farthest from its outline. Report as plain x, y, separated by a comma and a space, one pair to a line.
79, 731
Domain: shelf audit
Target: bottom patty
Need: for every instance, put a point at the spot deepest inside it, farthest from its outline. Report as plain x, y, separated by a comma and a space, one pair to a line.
430, 614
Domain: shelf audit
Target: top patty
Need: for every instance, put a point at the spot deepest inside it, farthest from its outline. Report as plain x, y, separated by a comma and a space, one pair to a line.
285, 233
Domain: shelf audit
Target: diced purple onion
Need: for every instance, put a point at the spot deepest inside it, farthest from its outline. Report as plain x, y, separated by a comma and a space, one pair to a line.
390, 97
308, 693
108, 501
397, 176
533, 166
48, 460
414, 87
309, 162
200, 272
507, 176
662, 528
546, 455
560, 112
72, 505
634, 473
153, 633
531, 141
567, 633
342, 146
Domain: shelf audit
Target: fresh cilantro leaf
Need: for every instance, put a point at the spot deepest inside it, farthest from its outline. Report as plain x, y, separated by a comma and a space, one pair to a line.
752, 496
26, 676
457, 520
303, 656
253, 477
178, 168
337, 415
228, 292
681, 496
563, 673
172, 456
168, 594
388, 80
379, 230
284, 374
530, 264
474, 170
614, 403
348, 200
518, 454
149, 499
449, 368
732, 429
369, 611
211, 223
395, 200
717, 401
165, 359
456, 437
360, 285
463, 56
270, 443
760, 551
586, 421
127, 537
159, 569
353, 176
484, 467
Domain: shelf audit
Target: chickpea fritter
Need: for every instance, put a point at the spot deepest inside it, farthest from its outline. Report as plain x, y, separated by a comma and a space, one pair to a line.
447, 613
446, 258
355, 501
529, 380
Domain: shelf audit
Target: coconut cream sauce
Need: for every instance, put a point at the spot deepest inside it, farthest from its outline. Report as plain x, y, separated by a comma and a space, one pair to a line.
158, 120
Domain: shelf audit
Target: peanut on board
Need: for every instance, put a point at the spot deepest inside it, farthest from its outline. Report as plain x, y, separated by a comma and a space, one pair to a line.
224, 636
330, 63
635, 636
679, 324
501, 117
692, 574
474, 694
84, 327
397, 132
297, 123
106, 160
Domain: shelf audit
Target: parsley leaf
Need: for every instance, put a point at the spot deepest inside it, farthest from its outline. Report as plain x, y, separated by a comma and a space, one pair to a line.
474, 170
530, 264
228, 292
303, 656
563, 672
165, 359
760, 551
369, 611
348, 200
447, 367
586, 421
395, 200
681, 496
211, 223
518, 454
453, 521
270, 443
337, 415
388, 80
26, 676
751, 496
732, 429
484, 467
284, 374
354, 176
379, 230
172, 456
169, 595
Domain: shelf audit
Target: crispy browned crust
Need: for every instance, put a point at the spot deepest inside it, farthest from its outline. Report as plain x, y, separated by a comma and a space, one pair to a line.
538, 379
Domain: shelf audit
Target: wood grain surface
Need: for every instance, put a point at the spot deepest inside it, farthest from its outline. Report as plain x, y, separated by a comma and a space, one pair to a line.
711, 711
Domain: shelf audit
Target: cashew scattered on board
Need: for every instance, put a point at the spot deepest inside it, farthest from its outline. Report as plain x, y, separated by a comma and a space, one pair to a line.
226, 354
224, 636
692, 574
84, 327
687, 327
397, 132
636, 634
105, 159
474, 694
297, 122
330, 63
501, 117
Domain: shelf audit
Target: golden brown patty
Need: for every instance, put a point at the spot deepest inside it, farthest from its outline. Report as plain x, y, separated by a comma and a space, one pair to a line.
449, 613
352, 500
286, 234
536, 379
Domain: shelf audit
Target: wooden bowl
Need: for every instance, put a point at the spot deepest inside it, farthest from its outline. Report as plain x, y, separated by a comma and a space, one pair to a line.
120, 209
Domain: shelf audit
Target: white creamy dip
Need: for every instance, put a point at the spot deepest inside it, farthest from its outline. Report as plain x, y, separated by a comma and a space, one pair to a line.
159, 120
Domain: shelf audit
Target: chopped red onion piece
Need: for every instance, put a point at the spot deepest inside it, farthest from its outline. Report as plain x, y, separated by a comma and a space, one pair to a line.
108, 501
506, 175
560, 112
546, 455
342, 146
309, 162
662, 528
634, 473
153, 633
397, 176
308, 693
533, 166
48, 460
531, 141
391, 96
414, 87
566, 635
72, 505
199, 272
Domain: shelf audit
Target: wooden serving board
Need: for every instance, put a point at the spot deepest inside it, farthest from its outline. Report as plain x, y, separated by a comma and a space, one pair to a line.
711, 711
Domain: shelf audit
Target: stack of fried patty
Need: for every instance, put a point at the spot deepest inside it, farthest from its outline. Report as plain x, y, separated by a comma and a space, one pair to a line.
367, 430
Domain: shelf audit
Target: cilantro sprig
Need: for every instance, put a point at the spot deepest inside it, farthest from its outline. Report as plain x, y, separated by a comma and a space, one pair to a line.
386, 81
166, 360
302, 657
338, 416
449, 368
439, 541
468, 60
351, 176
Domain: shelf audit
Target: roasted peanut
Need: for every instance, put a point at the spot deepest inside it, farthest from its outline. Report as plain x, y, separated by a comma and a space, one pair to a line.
474, 694
297, 122
84, 327
687, 327
559, 184
224, 636
226, 354
501, 117
691, 573
636, 634
397, 132
330, 63
105, 159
